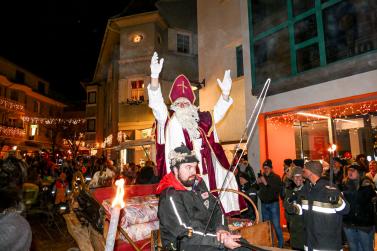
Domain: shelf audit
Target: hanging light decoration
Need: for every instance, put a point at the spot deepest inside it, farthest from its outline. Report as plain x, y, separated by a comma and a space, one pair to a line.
340, 112
11, 105
53, 121
11, 131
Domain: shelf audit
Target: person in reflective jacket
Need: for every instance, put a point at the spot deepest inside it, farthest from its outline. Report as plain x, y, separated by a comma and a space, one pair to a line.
185, 208
323, 208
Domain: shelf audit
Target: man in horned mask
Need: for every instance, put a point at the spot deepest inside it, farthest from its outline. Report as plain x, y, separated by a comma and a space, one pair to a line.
184, 123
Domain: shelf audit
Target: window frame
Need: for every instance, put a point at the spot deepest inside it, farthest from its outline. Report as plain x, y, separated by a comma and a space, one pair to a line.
138, 90
239, 61
89, 93
317, 10
88, 123
184, 34
36, 102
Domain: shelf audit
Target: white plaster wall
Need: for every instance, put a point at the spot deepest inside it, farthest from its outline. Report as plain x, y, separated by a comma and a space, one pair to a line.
219, 34
250, 101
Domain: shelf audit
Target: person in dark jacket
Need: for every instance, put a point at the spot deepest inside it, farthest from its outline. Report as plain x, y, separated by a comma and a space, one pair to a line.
146, 176
185, 208
270, 186
250, 189
357, 224
245, 168
294, 220
323, 208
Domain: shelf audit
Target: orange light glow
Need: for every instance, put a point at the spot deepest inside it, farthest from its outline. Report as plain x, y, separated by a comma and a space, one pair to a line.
118, 200
332, 148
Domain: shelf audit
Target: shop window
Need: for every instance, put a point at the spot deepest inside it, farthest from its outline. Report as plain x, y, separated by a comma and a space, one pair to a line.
305, 29
308, 58
272, 57
137, 90
183, 43
239, 58
350, 29
312, 139
301, 6
92, 99
308, 134
267, 14
91, 125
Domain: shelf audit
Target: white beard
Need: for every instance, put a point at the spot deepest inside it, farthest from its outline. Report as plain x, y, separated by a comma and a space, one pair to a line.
188, 118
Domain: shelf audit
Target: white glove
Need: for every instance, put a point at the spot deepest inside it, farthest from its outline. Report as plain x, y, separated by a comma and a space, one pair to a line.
226, 84
156, 66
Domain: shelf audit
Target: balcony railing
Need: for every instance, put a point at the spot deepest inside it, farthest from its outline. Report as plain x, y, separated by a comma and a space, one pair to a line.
11, 132
8, 104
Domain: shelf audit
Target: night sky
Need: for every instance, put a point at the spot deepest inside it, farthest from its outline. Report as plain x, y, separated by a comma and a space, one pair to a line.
60, 40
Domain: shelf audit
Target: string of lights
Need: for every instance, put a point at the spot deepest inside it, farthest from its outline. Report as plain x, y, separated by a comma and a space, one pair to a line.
339, 112
11, 131
52, 121
10, 105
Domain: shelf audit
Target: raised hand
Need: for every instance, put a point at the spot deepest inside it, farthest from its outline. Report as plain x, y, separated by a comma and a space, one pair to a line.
226, 84
156, 66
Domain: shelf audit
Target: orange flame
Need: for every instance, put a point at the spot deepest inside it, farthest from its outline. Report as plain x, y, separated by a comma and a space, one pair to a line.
118, 200
332, 148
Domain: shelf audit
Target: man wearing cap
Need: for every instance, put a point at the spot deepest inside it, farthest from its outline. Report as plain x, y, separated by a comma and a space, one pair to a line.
185, 209
270, 186
323, 208
184, 123
295, 221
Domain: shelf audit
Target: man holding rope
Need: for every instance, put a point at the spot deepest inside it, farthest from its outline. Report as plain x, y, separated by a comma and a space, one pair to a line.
185, 207
185, 124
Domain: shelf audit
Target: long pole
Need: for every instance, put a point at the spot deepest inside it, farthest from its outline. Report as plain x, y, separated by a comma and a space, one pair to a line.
258, 106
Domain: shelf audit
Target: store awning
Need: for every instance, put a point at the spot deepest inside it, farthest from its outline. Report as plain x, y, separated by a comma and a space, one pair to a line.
135, 143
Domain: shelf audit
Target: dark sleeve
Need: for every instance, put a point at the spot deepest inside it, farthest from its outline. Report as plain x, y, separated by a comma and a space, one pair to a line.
273, 185
341, 207
175, 220
251, 174
291, 203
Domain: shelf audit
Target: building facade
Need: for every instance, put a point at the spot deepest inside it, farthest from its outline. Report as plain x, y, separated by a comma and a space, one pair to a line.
23, 98
322, 59
118, 117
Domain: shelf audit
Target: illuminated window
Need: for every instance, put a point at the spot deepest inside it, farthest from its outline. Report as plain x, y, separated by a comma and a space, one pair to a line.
137, 90
33, 130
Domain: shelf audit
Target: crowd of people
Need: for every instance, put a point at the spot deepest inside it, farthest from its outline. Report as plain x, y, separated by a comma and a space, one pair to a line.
53, 174
320, 215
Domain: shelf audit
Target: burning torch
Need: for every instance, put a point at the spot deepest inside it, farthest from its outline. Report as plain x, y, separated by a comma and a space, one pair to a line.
331, 150
116, 207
